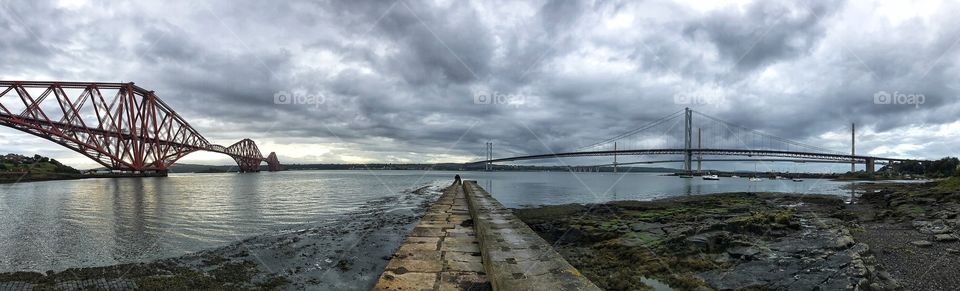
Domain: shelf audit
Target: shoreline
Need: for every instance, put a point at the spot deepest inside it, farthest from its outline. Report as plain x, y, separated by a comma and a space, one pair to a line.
885, 240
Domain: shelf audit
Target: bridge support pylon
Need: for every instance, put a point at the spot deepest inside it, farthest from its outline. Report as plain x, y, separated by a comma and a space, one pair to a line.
688, 140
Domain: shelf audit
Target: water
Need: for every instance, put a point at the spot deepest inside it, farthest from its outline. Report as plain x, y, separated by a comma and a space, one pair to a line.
55, 225
550, 188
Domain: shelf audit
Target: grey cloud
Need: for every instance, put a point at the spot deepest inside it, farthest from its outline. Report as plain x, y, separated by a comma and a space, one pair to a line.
765, 32
399, 77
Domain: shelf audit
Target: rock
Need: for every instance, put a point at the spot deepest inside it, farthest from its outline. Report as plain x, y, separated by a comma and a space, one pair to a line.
842, 242
941, 230
931, 227
945, 214
750, 275
645, 226
944, 237
897, 202
722, 258
709, 241
883, 275
925, 200
921, 243
678, 229
746, 253
859, 249
953, 251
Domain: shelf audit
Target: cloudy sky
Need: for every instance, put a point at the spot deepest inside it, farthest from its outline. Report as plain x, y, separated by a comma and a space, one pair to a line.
399, 81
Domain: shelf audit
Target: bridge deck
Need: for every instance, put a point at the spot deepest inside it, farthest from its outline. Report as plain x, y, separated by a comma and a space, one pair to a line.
469, 241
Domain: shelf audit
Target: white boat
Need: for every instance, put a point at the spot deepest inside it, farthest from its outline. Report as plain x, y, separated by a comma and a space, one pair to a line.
734, 176
711, 177
755, 179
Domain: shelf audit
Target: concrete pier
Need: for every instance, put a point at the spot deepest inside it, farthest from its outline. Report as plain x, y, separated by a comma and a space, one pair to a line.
469, 241
441, 253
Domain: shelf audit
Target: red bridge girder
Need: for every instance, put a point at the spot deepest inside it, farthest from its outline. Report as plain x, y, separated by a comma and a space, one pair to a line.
273, 164
128, 128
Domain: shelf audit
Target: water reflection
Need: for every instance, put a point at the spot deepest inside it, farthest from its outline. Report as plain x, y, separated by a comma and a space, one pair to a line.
548, 188
58, 224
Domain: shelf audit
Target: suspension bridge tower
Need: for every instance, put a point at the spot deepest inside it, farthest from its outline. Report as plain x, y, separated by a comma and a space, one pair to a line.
688, 140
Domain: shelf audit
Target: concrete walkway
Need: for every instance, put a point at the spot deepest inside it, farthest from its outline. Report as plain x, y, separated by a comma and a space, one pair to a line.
441, 253
469, 241
514, 256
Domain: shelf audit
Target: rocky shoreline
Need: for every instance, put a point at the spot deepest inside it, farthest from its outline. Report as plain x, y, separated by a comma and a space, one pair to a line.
892, 237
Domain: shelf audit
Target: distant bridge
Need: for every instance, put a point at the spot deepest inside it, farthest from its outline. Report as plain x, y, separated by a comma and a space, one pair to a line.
127, 129
725, 139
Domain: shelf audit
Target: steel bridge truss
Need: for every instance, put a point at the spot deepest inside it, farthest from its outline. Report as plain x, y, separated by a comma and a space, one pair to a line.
127, 129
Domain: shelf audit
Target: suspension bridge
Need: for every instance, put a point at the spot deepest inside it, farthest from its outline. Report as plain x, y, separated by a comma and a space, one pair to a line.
131, 131
701, 136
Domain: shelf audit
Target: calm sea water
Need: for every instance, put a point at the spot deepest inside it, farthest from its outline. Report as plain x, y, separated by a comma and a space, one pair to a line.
55, 225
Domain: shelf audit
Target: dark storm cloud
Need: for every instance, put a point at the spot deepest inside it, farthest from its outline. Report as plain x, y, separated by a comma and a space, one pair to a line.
398, 78
765, 32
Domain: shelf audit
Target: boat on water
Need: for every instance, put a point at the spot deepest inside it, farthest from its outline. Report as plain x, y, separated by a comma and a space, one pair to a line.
755, 179
734, 176
711, 177
796, 178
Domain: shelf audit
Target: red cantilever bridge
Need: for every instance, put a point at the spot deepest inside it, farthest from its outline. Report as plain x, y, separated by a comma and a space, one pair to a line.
119, 125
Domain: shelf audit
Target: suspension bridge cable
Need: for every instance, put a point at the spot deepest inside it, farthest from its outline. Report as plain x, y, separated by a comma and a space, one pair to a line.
632, 132
767, 138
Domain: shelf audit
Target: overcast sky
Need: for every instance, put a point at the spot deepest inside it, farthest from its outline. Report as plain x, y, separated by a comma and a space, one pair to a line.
400, 80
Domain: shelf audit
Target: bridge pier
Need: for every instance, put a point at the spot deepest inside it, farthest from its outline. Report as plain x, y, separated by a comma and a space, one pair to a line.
870, 162
688, 140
